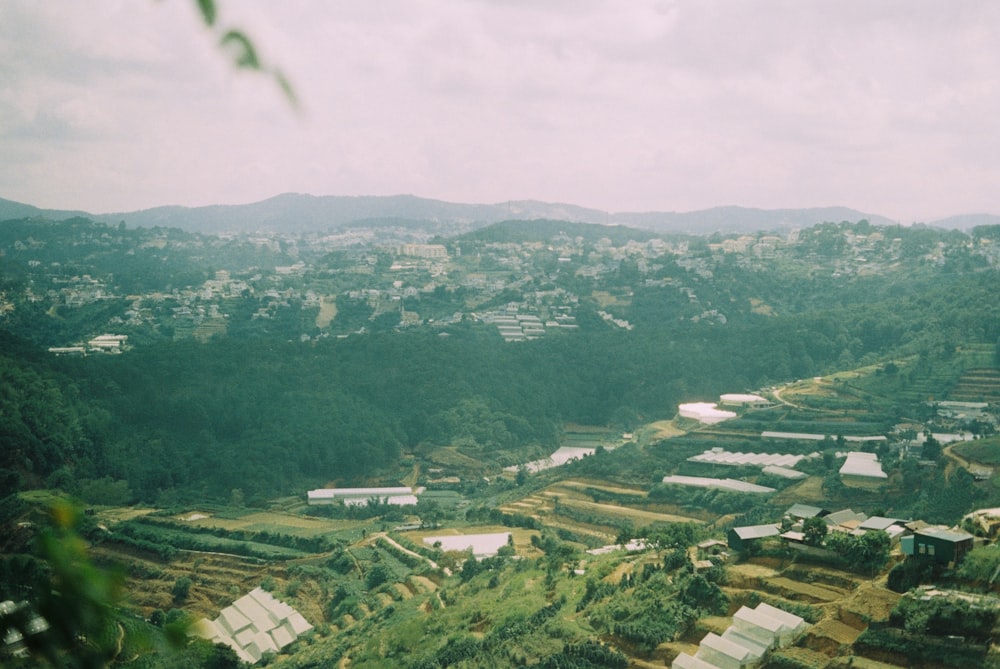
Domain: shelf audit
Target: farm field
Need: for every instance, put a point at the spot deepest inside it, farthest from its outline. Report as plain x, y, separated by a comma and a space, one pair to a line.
268, 521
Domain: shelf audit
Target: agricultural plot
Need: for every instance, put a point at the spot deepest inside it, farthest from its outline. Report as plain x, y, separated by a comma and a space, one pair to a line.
977, 385
640, 517
269, 521
981, 451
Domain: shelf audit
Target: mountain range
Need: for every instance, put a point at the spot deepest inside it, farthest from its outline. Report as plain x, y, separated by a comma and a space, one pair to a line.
297, 213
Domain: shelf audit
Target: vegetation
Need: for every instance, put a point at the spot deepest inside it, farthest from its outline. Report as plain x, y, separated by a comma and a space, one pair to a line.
266, 402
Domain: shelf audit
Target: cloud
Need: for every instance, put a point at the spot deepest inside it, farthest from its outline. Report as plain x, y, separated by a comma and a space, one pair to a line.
651, 105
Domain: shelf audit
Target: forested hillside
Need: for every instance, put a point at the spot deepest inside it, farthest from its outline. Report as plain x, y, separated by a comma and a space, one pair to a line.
271, 413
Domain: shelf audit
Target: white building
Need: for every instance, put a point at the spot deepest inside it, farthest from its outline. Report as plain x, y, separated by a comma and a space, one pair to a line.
401, 496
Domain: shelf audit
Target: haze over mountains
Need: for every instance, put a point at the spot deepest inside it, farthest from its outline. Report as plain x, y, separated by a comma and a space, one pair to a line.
294, 212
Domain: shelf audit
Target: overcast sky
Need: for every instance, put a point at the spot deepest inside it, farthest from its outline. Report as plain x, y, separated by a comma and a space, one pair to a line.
891, 108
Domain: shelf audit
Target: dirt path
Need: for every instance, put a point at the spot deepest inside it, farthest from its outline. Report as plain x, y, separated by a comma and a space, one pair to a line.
382, 536
956, 460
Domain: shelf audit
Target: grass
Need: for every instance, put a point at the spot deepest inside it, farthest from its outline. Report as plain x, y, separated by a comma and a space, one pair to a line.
983, 451
275, 523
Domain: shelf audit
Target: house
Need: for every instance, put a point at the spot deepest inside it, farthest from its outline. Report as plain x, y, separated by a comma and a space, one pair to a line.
844, 520
711, 547
943, 546
740, 538
803, 511
894, 527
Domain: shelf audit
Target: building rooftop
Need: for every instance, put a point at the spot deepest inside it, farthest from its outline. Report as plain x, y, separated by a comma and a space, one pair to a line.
481, 545
954, 536
721, 484
253, 625
757, 531
863, 464
803, 511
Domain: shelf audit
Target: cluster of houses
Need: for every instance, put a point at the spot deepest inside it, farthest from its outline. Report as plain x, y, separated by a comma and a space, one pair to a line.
753, 633
913, 537
254, 625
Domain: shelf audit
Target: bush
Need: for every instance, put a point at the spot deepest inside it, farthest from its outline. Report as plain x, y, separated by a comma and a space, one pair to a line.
181, 589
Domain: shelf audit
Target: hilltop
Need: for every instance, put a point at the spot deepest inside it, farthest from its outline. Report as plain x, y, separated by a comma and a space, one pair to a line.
298, 213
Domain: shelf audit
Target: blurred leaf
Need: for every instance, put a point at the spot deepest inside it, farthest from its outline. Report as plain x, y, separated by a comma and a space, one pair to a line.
208, 11
286, 88
246, 54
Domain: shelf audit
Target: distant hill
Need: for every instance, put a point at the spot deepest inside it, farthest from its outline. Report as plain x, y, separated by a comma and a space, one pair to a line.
296, 213
10, 210
744, 219
967, 221
541, 230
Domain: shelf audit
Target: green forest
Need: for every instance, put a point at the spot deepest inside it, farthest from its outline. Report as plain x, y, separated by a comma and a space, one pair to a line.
182, 419
256, 369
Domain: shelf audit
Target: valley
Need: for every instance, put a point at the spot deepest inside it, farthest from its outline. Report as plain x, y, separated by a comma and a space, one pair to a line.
528, 386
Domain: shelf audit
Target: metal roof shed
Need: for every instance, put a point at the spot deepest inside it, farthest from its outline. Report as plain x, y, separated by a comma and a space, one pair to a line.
804, 511
741, 537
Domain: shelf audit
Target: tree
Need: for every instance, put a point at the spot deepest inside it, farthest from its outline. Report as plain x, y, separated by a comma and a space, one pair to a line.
814, 531
931, 449
181, 589
376, 576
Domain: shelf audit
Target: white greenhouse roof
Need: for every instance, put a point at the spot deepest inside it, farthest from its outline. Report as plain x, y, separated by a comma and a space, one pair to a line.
739, 398
719, 456
254, 624
724, 647
790, 620
391, 500
481, 545
342, 493
863, 464
722, 484
705, 412
784, 472
767, 434
685, 661
563, 455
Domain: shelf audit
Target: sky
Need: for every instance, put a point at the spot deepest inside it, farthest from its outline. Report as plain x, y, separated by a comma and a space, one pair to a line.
889, 107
